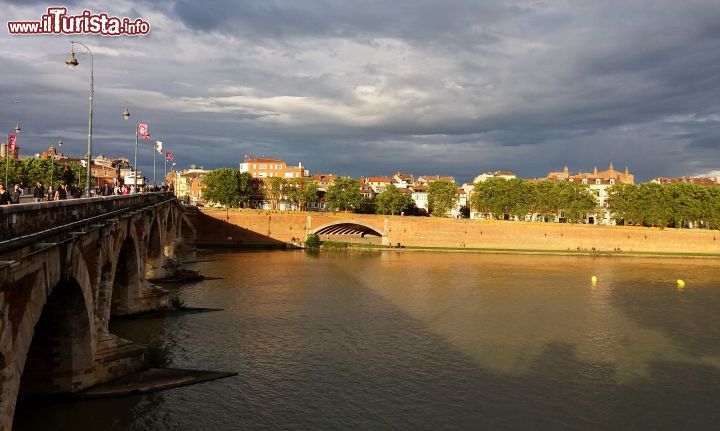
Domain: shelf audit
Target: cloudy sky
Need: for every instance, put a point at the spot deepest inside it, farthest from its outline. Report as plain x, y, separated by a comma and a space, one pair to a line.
452, 87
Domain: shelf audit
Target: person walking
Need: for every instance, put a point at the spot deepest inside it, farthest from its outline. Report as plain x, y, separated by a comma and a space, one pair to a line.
16, 193
4, 196
61, 193
107, 191
51, 193
39, 192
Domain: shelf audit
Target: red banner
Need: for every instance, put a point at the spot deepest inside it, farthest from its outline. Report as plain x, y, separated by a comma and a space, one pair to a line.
11, 141
143, 131
168, 155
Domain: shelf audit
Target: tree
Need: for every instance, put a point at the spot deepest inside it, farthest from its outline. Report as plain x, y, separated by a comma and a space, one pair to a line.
392, 201
246, 188
222, 186
308, 193
442, 197
301, 192
276, 188
576, 200
343, 194
546, 199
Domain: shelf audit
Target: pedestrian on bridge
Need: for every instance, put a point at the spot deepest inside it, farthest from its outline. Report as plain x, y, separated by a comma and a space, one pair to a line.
16, 193
4, 195
39, 192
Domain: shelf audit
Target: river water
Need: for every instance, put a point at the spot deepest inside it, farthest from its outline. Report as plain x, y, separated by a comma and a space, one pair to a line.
419, 340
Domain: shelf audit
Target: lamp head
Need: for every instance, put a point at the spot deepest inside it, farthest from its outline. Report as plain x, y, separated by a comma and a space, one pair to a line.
71, 60
17, 128
126, 113
60, 142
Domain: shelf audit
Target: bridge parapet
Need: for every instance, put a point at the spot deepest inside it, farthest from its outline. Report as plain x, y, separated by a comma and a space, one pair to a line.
25, 219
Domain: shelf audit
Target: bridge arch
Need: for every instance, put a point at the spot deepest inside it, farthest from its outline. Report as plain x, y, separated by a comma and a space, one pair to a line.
61, 350
126, 280
347, 229
154, 250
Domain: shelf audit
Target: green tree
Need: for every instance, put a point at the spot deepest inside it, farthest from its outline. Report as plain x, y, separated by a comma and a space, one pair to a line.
576, 200
246, 188
442, 197
393, 201
276, 189
343, 195
547, 199
222, 186
308, 193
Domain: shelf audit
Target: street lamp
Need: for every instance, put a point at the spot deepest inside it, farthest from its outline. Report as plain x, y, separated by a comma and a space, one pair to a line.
7, 155
72, 62
52, 161
126, 115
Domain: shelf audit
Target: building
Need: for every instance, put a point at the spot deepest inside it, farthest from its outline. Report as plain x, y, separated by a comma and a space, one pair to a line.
402, 181
506, 175
378, 184
425, 180
598, 182
188, 185
698, 181
323, 181
420, 196
262, 168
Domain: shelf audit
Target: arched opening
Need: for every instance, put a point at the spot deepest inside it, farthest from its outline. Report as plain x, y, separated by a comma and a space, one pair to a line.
349, 232
169, 245
60, 358
153, 258
126, 280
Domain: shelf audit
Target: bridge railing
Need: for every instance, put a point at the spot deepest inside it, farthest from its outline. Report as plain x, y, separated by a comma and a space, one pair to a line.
25, 219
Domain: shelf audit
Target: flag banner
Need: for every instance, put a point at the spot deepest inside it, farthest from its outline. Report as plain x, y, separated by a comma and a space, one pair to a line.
158, 146
143, 131
11, 141
168, 155
83, 163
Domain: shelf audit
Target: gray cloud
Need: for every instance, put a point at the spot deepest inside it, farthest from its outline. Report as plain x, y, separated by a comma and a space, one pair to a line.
365, 88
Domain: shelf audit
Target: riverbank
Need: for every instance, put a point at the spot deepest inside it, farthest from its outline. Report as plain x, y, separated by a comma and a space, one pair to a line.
251, 228
589, 253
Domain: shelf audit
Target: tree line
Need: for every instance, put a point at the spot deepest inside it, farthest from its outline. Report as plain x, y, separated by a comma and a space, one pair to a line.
27, 172
675, 205
516, 198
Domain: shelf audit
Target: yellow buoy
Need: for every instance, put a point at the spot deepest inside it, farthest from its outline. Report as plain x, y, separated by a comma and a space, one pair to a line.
680, 283
593, 279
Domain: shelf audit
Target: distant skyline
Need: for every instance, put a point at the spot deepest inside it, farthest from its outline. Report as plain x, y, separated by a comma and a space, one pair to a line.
369, 88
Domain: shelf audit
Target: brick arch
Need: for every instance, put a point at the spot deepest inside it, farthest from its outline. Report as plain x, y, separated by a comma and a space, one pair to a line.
64, 321
119, 295
347, 227
153, 247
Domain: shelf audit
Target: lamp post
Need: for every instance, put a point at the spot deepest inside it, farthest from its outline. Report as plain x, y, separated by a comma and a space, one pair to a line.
7, 155
52, 161
72, 62
126, 115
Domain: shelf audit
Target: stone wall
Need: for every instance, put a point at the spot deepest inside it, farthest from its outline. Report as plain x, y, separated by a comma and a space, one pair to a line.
243, 227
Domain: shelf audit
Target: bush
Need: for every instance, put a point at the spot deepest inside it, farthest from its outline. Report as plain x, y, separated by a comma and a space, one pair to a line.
313, 241
157, 355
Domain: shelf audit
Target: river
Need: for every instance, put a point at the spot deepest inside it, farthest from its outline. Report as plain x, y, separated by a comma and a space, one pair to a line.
424, 340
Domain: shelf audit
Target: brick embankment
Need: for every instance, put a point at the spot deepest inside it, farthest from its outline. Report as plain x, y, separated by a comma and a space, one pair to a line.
243, 227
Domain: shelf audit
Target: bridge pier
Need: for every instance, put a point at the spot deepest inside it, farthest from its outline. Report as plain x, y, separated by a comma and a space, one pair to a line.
59, 288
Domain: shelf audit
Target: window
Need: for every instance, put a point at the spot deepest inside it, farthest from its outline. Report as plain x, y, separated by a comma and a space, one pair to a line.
597, 181
584, 181
612, 181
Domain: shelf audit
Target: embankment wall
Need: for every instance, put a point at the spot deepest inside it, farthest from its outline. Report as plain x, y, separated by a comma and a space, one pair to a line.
243, 227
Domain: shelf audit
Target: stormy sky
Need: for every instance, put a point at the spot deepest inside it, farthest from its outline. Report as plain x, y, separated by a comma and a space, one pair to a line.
451, 87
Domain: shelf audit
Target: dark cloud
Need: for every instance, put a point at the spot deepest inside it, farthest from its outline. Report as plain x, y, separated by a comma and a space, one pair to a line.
366, 88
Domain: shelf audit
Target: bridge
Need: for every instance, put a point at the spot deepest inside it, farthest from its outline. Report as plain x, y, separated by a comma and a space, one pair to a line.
66, 268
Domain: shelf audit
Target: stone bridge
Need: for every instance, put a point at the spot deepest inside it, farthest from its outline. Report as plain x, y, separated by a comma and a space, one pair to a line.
66, 268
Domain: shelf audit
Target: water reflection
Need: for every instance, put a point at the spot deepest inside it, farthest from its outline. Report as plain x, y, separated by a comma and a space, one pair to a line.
431, 340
